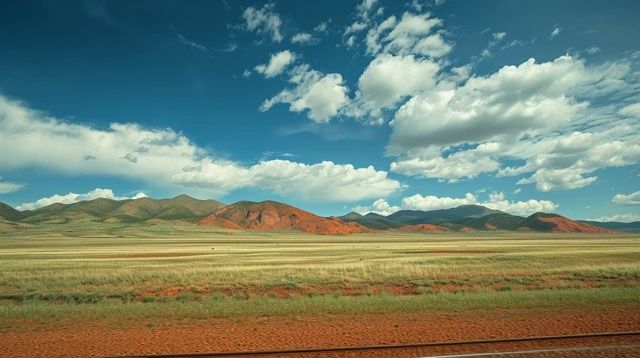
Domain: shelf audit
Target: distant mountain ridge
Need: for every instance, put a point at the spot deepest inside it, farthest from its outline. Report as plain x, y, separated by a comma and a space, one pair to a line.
413, 217
472, 217
272, 215
182, 207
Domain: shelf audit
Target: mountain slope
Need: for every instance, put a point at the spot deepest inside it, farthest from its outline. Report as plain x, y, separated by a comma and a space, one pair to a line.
371, 220
413, 217
423, 228
272, 215
9, 214
497, 221
615, 225
90, 210
182, 207
544, 222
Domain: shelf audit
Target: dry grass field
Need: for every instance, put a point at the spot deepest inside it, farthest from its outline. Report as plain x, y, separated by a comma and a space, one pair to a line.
193, 271
109, 289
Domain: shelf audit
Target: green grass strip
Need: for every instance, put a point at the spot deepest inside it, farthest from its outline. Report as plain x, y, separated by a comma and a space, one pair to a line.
218, 307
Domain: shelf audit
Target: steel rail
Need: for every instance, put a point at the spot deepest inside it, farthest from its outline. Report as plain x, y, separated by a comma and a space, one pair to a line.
384, 346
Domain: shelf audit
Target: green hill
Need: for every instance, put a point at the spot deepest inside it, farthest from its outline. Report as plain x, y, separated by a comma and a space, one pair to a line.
497, 221
182, 207
9, 214
414, 217
371, 221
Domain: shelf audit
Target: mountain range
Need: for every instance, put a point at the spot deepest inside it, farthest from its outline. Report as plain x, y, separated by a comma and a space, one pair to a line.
272, 215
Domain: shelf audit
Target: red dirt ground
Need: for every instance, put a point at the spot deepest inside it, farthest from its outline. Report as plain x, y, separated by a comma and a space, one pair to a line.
88, 339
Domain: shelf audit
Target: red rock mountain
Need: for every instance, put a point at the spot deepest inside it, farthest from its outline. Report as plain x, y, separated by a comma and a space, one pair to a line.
272, 215
557, 223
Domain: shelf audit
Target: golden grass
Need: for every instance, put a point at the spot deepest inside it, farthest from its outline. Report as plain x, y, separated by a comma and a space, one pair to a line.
82, 263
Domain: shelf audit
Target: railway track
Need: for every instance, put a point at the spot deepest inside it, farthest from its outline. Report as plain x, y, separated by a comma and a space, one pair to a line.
464, 343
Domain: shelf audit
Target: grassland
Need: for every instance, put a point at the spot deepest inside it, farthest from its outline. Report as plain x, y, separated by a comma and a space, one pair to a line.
88, 270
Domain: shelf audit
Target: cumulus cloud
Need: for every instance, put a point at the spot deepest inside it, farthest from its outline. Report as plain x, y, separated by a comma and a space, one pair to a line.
567, 161
627, 199
9, 187
463, 164
412, 34
303, 38
555, 32
537, 114
514, 101
322, 95
277, 64
71, 198
365, 12
389, 78
380, 207
497, 201
323, 26
167, 158
264, 21
406, 62
327, 180
431, 202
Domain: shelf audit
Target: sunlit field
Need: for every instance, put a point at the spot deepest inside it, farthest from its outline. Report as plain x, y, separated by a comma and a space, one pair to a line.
193, 271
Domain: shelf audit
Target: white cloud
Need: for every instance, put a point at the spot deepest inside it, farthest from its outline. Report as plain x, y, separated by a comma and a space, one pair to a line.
514, 101
365, 8
323, 26
592, 50
561, 162
364, 12
412, 35
632, 110
627, 199
498, 35
355, 27
71, 198
558, 179
464, 164
263, 21
625, 218
380, 207
303, 38
322, 95
9, 187
539, 114
497, 201
166, 158
555, 32
388, 79
431, 202
190, 43
326, 181
277, 64
246, 74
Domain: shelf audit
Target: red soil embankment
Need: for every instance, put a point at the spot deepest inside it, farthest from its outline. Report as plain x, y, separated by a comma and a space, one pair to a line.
88, 339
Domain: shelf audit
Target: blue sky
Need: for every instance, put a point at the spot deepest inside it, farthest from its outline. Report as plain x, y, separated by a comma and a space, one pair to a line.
372, 105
